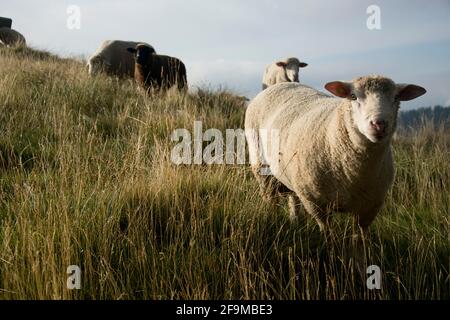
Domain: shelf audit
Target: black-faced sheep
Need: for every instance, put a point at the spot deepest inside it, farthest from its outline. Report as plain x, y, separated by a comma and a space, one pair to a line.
154, 72
113, 58
10, 37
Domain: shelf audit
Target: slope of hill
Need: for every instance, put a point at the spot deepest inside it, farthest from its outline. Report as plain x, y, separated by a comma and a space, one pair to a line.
86, 179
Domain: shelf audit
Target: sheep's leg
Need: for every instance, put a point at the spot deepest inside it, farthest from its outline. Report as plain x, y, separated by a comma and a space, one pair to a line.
267, 185
358, 253
296, 209
320, 215
293, 203
365, 219
266, 189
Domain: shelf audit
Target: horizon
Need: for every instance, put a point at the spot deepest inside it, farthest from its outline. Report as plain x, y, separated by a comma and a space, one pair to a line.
413, 44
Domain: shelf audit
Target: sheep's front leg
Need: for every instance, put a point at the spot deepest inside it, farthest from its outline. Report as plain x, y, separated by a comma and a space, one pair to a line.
320, 215
293, 203
267, 185
366, 217
296, 209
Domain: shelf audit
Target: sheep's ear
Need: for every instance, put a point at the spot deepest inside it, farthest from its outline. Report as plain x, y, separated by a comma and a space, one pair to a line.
303, 64
406, 92
339, 89
281, 64
132, 50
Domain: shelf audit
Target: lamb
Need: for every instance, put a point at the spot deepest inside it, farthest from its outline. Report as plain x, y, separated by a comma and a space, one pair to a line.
153, 71
113, 59
282, 71
10, 37
325, 153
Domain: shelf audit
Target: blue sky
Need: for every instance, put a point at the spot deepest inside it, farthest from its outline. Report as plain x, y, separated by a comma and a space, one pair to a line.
228, 43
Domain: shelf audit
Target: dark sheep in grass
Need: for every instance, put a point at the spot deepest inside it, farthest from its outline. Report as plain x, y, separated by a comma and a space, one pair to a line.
113, 59
154, 71
11, 38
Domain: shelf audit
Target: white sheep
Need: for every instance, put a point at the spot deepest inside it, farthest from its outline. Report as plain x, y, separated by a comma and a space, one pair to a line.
326, 153
113, 58
282, 71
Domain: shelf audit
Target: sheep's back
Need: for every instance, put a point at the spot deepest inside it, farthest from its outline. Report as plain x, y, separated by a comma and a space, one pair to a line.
165, 70
285, 104
300, 115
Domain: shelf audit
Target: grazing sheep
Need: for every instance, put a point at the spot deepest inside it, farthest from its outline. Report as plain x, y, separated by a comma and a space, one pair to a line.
326, 153
153, 71
113, 58
282, 71
10, 37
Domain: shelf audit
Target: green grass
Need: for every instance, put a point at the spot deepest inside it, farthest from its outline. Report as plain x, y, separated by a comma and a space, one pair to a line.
86, 179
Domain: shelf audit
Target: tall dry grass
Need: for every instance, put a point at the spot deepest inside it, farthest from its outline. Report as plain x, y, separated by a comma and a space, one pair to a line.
86, 179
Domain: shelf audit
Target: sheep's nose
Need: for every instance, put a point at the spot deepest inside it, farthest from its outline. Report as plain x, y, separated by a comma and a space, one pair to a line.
378, 125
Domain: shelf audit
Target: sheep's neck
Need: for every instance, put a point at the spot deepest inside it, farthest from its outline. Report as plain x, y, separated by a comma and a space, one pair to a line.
140, 73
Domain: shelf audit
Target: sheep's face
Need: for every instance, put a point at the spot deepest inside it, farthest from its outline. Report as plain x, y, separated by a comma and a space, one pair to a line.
94, 69
97, 65
291, 68
142, 53
292, 72
374, 104
375, 113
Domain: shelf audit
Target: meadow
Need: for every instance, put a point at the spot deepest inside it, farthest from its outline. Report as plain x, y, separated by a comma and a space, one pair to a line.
86, 179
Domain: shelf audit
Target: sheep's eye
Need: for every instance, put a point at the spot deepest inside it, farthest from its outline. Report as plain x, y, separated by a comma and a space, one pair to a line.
353, 96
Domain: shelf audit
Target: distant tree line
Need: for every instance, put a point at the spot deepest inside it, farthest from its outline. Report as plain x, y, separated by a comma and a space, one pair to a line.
436, 117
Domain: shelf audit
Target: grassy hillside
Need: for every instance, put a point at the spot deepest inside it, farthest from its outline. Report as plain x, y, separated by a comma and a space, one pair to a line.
86, 179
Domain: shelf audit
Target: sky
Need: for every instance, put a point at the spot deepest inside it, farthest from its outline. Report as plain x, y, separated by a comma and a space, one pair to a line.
227, 44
